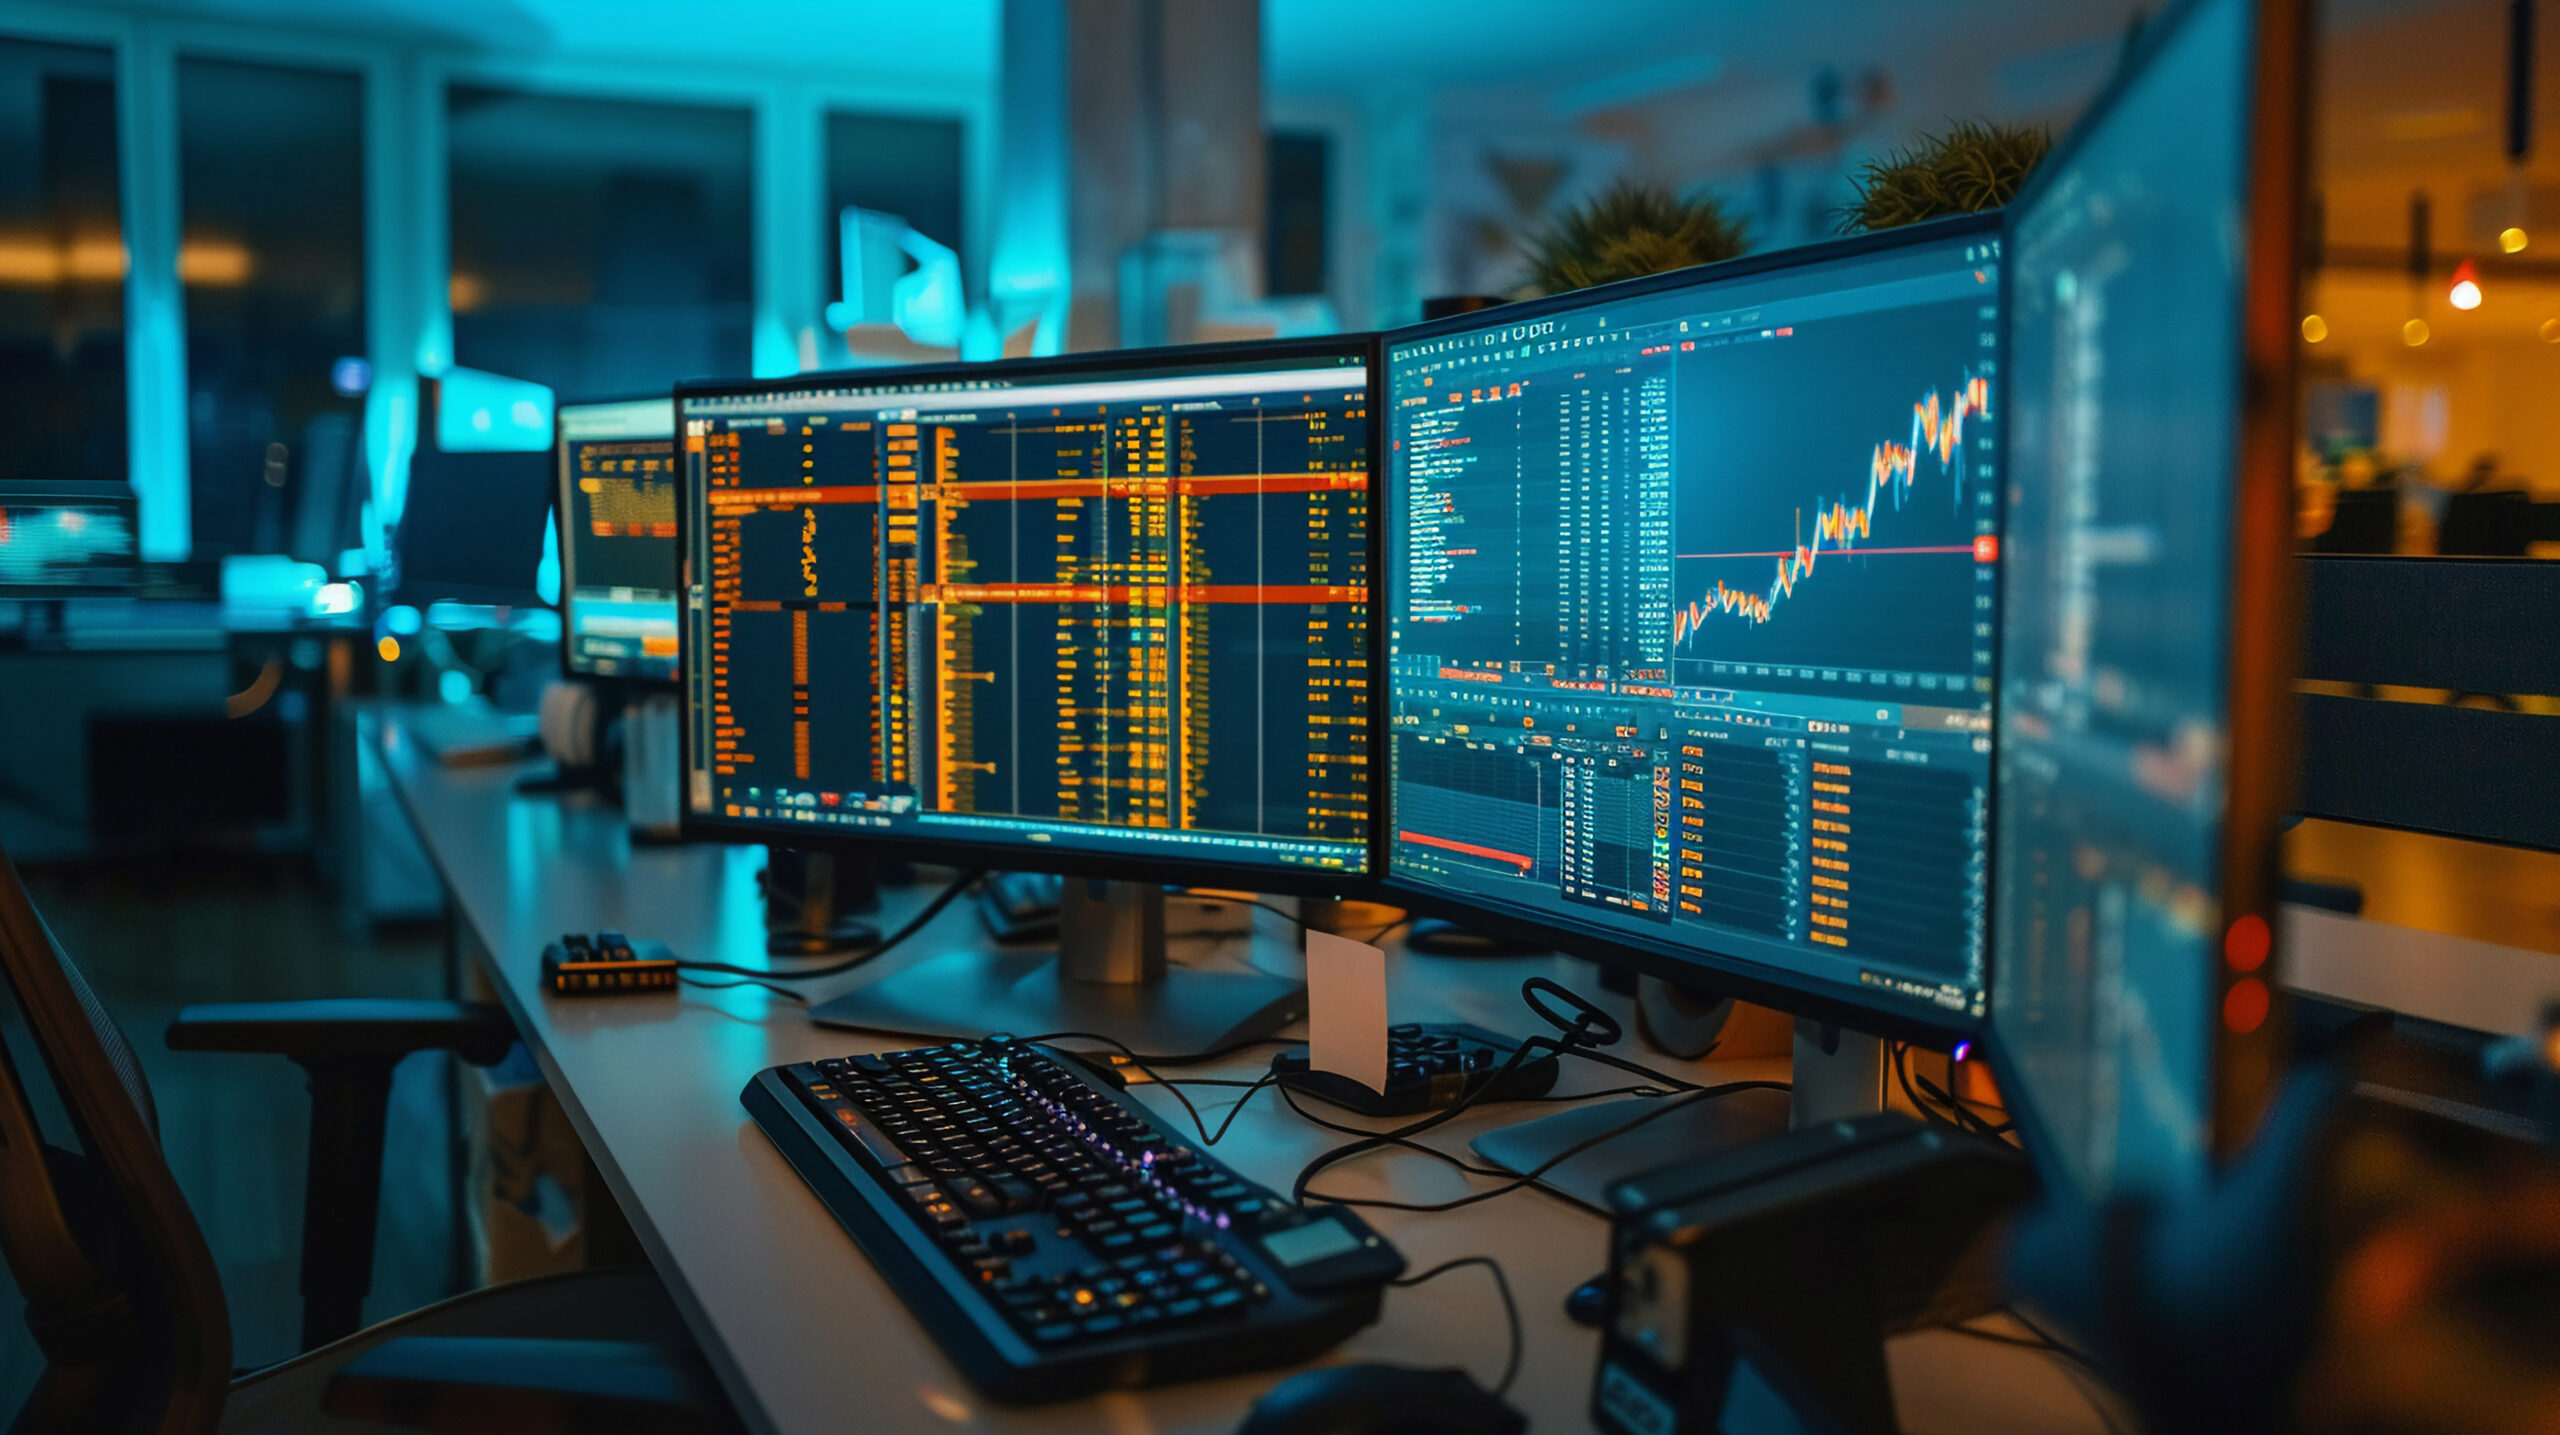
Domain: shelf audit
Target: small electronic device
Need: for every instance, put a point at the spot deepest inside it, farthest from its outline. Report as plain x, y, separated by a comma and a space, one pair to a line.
606, 964
1428, 1068
1757, 1283
617, 496
1054, 1235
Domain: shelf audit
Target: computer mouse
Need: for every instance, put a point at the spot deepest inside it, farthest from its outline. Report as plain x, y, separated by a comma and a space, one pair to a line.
1381, 1400
1589, 1303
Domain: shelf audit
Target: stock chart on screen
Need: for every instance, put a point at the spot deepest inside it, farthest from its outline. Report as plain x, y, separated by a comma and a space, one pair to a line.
618, 548
1691, 597
1118, 612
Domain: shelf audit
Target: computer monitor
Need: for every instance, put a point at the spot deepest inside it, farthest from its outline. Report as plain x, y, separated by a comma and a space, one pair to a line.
2146, 652
1690, 589
617, 498
471, 530
67, 540
1105, 616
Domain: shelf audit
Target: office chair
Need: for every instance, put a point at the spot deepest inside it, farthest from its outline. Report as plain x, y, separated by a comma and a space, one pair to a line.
127, 1307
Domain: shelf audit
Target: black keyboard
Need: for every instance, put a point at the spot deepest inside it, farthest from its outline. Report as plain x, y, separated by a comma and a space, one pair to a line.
1428, 1068
1055, 1236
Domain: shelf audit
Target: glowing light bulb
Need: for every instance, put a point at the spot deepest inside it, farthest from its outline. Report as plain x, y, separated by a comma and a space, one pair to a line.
2414, 333
2465, 293
389, 648
2314, 328
2511, 239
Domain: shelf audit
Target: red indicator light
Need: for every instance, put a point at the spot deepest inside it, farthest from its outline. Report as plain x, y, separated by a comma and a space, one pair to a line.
1986, 548
2246, 945
2244, 1007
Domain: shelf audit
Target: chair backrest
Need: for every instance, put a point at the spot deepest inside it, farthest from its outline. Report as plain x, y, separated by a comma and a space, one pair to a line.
122, 1293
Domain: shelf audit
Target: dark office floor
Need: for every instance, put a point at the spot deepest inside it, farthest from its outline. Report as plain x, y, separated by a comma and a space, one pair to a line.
154, 939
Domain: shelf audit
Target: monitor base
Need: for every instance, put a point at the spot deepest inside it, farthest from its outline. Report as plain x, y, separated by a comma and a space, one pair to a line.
1435, 937
1185, 1013
844, 934
1716, 1123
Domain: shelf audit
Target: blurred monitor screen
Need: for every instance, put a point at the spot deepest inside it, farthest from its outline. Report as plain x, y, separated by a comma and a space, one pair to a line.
68, 539
618, 539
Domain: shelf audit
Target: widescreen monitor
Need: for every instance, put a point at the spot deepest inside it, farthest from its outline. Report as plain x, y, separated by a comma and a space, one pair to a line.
617, 507
1105, 615
1690, 593
62, 540
2145, 658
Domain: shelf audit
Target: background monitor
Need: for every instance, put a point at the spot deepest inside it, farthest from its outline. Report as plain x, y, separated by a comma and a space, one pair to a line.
1106, 615
2146, 670
472, 528
1690, 589
62, 540
618, 539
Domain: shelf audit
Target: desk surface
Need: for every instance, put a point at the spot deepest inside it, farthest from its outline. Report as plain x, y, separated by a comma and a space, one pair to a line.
808, 1337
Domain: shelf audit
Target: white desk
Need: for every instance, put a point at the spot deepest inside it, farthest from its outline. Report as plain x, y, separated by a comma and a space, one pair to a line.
807, 1336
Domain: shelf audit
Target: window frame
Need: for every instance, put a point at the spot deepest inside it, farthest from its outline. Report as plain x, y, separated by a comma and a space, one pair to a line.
408, 316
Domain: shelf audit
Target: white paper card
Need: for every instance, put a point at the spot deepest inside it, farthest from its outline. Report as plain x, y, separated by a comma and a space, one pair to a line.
1347, 1009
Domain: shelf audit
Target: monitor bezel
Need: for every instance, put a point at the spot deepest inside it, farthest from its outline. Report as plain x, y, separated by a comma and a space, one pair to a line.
1027, 856
1811, 997
88, 492
2261, 753
569, 667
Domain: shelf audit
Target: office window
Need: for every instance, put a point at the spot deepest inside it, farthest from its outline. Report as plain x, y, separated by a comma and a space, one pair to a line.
602, 247
895, 164
271, 259
62, 391
1295, 213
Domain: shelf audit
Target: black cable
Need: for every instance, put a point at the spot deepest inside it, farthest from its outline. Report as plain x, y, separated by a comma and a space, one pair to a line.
1289, 1096
1633, 1068
1510, 1309
1964, 1117
1195, 1059
1902, 1074
1236, 1110
914, 924
773, 987
1531, 1176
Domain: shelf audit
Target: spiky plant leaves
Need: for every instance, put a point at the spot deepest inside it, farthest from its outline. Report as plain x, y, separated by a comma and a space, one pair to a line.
1628, 230
1973, 166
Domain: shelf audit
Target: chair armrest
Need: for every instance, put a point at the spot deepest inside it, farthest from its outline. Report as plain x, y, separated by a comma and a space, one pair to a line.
470, 1383
340, 1028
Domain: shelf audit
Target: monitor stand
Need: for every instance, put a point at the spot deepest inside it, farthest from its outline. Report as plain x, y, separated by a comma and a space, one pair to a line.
1436, 937
1838, 1075
1108, 977
808, 901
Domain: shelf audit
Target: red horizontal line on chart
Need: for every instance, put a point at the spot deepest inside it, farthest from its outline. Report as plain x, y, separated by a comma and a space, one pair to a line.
1448, 844
1860, 552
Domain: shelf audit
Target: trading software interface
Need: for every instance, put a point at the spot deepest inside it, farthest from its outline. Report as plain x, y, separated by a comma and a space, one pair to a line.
1112, 613
618, 565
1691, 603
50, 539
2125, 375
